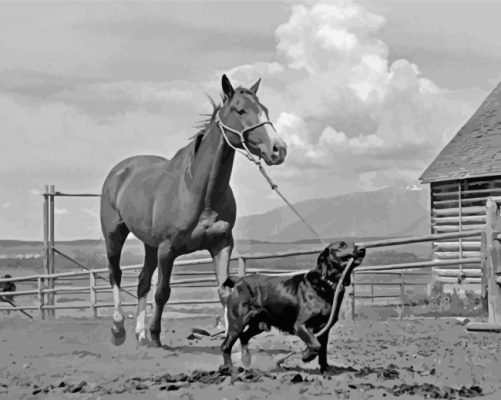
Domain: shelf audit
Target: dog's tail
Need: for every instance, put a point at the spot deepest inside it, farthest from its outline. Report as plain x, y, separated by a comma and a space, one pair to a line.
230, 282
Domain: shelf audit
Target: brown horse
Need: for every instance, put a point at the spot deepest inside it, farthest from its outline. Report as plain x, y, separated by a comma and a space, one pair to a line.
185, 204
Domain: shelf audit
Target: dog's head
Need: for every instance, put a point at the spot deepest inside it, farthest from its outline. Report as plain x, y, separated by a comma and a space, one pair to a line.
335, 257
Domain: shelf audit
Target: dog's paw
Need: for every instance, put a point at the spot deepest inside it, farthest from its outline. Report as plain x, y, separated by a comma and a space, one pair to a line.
309, 354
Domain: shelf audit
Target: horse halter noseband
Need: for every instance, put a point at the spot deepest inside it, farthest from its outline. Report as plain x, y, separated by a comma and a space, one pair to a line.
241, 134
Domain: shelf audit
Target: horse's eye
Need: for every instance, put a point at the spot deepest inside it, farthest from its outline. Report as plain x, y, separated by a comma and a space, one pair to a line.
240, 112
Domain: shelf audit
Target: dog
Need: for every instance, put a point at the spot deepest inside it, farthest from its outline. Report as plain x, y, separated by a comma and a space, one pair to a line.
300, 304
7, 287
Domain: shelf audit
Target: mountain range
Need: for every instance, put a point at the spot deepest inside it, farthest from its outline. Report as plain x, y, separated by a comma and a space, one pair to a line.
391, 211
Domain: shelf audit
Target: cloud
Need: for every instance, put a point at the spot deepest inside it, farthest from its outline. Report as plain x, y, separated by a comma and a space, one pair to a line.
345, 107
7, 204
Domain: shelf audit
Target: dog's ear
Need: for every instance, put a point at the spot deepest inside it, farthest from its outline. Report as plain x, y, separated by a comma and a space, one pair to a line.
322, 262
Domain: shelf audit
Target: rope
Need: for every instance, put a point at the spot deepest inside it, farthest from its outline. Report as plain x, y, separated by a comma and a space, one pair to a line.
294, 210
247, 154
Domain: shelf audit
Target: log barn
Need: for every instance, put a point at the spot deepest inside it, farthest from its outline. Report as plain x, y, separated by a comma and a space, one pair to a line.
464, 174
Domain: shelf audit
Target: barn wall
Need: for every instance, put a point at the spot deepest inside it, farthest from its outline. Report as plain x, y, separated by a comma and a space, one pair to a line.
459, 206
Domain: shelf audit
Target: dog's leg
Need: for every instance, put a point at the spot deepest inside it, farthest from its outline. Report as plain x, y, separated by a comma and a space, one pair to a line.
312, 343
234, 330
322, 354
251, 331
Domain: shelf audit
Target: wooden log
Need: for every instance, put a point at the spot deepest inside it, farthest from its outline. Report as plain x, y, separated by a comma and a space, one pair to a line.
491, 267
378, 296
241, 269
22, 293
21, 308
484, 281
493, 263
439, 187
46, 250
454, 246
52, 255
92, 295
454, 228
402, 288
455, 211
422, 264
466, 281
473, 272
482, 193
41, 298
173, 303
419, 239
444, 255
59, 194
478, 219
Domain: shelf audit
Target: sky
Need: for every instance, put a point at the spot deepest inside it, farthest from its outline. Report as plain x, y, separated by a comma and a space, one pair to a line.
366, 93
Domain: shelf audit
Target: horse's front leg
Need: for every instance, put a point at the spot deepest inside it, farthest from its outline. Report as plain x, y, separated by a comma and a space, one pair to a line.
221, 254
165, 263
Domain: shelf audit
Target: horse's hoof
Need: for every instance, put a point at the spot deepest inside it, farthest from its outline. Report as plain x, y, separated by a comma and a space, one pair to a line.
154, 341
118, 333
142, 340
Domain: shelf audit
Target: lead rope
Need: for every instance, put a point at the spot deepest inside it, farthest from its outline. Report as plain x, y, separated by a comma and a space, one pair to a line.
246, 152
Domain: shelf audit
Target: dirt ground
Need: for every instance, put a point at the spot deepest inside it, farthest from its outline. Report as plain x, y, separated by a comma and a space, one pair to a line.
409, 359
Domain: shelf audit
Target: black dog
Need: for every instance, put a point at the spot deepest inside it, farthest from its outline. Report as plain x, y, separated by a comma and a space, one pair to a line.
299, 304
7, 287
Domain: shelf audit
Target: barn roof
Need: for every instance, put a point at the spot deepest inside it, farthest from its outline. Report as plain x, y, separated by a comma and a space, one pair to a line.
475, 151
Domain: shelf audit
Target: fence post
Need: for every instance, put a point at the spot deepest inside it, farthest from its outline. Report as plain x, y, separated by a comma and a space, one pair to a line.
352, 294
51, 296
41, 297
402, 289
484, 289
492, 270
241, 266
372, 292
46, 252
92, 286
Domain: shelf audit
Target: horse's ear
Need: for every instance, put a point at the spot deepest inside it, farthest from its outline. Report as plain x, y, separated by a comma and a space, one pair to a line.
227, 87
255, 87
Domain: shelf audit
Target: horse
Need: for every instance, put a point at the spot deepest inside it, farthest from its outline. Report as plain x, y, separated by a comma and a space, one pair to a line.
184, 204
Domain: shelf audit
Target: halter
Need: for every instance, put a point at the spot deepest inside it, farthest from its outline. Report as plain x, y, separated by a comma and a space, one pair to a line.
245, 151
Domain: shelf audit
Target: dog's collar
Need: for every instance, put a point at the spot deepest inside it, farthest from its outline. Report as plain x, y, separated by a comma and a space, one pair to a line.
330, 283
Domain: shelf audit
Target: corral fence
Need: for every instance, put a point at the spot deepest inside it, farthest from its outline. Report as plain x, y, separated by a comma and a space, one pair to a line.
484, 271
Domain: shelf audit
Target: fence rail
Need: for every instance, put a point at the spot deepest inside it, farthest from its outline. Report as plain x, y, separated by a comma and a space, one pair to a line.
47, 291
203, 278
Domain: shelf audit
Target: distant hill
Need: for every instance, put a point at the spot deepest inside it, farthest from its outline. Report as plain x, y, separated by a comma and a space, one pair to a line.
361, 216
386, 212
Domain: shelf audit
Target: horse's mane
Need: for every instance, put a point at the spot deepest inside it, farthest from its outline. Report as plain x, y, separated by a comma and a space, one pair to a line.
204, 125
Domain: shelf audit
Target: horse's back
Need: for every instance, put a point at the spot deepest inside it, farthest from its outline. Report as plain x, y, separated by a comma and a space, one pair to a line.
125, 170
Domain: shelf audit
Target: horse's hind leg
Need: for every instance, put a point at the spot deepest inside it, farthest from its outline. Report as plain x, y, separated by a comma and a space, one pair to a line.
143, 288
115, 239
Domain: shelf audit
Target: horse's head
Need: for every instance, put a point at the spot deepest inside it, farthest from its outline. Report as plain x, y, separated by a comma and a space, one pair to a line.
245, 123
